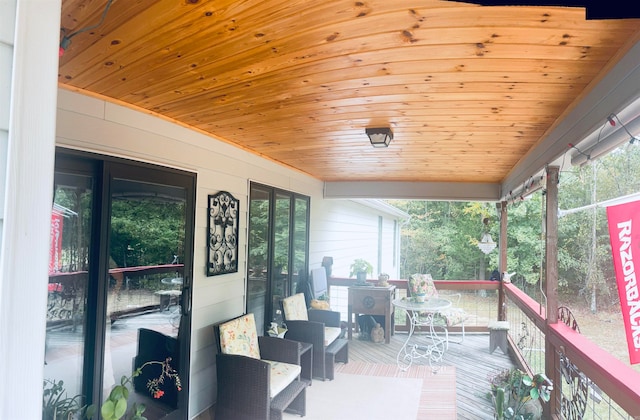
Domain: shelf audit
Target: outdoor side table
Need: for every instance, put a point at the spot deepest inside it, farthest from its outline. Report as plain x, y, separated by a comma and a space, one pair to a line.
371, 300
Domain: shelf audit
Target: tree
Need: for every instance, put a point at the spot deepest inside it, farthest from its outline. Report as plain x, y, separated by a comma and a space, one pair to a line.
441, 238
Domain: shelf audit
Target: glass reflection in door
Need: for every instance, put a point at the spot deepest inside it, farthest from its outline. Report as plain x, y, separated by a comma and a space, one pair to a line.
68, 282
144, 288
281, 282
258, 259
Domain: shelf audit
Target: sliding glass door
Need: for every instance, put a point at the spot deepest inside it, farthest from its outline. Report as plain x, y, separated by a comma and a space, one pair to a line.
120, 276
278, 249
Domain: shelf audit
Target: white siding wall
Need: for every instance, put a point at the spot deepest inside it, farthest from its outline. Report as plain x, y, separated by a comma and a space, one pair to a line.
7, 28
349, 230
90, 124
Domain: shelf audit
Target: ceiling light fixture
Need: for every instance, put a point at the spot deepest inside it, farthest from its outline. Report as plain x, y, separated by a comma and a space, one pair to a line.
486, 244
379, 137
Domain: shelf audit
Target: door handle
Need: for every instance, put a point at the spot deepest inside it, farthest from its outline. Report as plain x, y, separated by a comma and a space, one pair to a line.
186, 299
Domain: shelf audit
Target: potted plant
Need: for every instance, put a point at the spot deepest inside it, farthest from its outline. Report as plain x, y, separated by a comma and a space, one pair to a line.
56, 404
515, 394
360, 268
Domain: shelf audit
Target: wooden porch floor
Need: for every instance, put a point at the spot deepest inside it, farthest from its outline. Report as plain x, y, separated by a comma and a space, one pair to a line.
473, 363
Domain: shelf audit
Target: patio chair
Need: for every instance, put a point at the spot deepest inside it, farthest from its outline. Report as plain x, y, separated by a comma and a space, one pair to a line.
258, 377
448, 317
321, 328
154, 346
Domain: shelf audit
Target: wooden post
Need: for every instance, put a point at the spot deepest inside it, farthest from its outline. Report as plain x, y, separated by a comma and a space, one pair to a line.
502, 246
551, 285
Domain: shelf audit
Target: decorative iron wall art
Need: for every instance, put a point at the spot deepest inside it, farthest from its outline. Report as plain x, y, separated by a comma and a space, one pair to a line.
222, 228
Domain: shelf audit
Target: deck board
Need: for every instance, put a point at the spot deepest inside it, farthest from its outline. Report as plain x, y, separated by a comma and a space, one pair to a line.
473, 363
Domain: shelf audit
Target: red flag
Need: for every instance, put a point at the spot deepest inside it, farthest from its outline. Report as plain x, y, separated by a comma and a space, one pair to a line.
55, 247
624, 234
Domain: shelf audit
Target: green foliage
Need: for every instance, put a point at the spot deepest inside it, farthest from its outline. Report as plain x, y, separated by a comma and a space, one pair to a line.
157, 225
56, 405
441, 237
584, 254
259, 234
115, 407
512, 391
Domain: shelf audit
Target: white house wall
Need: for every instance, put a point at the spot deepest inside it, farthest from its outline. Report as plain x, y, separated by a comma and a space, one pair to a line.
339, 228
349, 230
7, 29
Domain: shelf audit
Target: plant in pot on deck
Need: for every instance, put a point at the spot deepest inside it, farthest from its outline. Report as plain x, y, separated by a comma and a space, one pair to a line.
360, 268
515, 394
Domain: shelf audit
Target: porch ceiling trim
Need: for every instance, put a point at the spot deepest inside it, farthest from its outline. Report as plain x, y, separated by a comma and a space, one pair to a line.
437, 191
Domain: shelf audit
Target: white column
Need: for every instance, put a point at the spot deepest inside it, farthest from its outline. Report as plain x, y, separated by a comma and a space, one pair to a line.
27, 175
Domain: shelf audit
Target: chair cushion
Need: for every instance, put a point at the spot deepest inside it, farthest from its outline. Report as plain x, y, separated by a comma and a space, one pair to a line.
452, 316
282, 374
422, 284
330, 334
239, 336
446, 317
295, 308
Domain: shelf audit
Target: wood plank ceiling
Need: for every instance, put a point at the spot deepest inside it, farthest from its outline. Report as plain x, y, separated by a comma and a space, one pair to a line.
468, 90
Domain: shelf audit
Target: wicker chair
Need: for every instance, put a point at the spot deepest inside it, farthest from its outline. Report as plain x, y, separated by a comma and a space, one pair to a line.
258, 377
448, 317
322, 329
153, 346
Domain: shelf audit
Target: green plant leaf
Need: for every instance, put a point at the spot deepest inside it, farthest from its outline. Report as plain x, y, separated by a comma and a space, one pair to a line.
91, 411
500, 403
534, 393
117, 393
139, 409
108, 410
120, 408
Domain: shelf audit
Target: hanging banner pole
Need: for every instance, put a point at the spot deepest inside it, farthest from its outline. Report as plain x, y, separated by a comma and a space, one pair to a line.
624, 235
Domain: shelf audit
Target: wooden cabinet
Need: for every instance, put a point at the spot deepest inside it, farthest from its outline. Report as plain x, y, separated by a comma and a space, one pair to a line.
370, 300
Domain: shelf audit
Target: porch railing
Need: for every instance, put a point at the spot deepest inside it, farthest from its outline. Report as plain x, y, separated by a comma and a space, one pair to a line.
588, 381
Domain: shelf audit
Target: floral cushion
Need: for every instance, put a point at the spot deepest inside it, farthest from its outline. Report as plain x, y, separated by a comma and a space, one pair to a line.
422, 284
282, 374
451, 316
239, 336
448, 317
295, 308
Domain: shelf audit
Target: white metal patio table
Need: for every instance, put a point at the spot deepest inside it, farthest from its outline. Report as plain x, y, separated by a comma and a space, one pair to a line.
430, 346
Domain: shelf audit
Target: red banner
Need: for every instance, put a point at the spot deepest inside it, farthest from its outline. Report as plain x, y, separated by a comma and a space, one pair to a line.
55, 247
624, 234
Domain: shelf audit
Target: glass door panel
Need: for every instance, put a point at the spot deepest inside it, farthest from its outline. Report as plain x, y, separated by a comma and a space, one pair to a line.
144, 287
258, 260
281, 282
69, 259
119, 280
278, 250
300, 240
